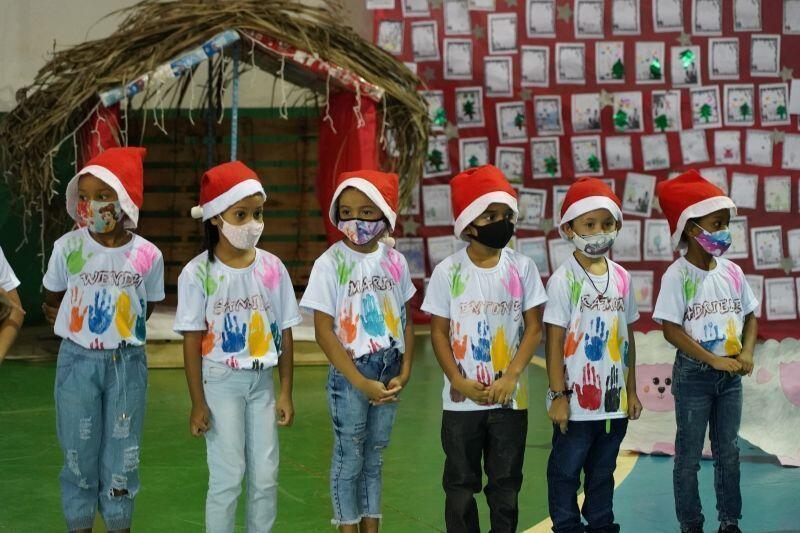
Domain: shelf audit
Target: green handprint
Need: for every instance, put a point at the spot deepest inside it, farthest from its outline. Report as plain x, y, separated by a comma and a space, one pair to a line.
458, 284
343, 269
575, 287
74, 254
208, 281
689, 286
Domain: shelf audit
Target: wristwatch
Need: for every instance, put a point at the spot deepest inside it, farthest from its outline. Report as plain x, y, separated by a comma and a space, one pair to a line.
552, 395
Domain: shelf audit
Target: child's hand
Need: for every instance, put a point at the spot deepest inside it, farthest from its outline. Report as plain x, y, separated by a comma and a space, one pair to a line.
559, 413
474, 390
397, 382
284, 408
377, 391
50, 313
746, 360
200, 419
726, 364
634, 406
502, 389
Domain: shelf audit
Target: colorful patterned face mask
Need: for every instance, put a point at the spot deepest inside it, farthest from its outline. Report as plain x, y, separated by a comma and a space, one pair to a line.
99, 217
716, 243
360, 231
594, 245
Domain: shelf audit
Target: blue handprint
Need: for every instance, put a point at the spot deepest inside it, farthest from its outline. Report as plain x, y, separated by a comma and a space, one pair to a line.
480, 351
277, 336
233, 337
371, 317
595, 346
712, 335
101, 313
625, 353
141, 328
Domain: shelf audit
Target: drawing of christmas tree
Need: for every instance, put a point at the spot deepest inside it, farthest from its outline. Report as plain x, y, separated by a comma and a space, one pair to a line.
594, 163
655, 69
705, 112
621, 118
435, 159
473, 161
744, 110
468, 108
781, 110
618, 70
441, 117
551, 165
661, 122
519, 121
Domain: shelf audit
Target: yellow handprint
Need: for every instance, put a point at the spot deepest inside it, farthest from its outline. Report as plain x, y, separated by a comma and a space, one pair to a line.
521, 396
614, 340
392, 321
623, 395
733, 346
499, 351
259, 337
124, 319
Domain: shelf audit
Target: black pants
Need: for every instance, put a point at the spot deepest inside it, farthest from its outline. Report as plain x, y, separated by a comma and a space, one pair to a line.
497, 435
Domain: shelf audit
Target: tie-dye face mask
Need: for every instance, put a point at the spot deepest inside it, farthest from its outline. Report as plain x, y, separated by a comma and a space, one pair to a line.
99, 217
716, 243
361, 231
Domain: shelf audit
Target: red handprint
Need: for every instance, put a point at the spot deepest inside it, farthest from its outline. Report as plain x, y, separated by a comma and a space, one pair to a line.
459, 343
589, 396
483, 375
96, 344
76, 316
573, 338
348, 325
208, 340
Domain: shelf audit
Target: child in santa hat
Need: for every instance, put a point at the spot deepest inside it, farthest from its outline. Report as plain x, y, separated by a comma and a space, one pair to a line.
485, 325
359, 291
11, 312
236, 308
111, 278
706, 309
591, 360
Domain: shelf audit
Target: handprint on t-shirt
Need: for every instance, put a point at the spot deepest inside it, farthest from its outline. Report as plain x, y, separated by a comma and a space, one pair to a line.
258, 340
76, 315
735, 275
513, 282
575, 288
712, 337
612, 395
733, 346
208, 340
458, 342
480, 351
277, 337
483, 375
269, 272
392, 320
207, 280
348, 325
96, 345
689, 285
371, 317
500, 352
141, 322
595, 345
617, 346
233, 336
393, 264
101, 313
124, 318
74, 255
623, 281
458, 284
589, 395
343, 268
142, 258
573, 337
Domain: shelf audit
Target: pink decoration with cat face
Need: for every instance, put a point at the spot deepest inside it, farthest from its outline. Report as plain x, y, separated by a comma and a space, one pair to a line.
654, 387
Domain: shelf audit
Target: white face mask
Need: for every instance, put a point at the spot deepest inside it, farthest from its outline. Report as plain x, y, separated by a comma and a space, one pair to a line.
594, 245
243, 237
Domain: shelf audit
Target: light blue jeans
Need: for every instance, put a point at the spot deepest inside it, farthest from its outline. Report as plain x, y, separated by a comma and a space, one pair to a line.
100, 401
243, 438
360, 433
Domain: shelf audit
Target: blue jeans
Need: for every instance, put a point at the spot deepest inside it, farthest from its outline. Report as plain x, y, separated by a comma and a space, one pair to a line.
360, 434
589, 447
705, 397
100, 401
243, 438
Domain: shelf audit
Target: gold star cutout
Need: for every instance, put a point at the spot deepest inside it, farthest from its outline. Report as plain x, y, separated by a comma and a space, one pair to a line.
787, 74
410, 226
564, 12
478, 32
776, 136
786, 264
450, 131
526, 94
684, 39
511, 3
606, 98
436, 4
429, 74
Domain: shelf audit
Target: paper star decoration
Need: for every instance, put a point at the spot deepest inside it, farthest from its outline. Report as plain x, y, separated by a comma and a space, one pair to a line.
436, 4
478, 32
787, 74
410, 226
450, 131
606, 98
777, 137
511, 3
684, 39
564, 12
786, 264
526, 94
429, 74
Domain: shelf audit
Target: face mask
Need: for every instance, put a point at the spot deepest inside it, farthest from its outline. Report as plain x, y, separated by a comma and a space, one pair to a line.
359, 231
594, 245
495, 235
243, 237
716, 243
99, 217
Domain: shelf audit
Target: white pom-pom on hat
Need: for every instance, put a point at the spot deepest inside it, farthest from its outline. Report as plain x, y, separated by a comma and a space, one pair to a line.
197, 211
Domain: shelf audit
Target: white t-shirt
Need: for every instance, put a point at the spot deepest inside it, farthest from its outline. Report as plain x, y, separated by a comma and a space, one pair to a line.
107, 289
243, 311
596, 341
485, 308
711, 305
8, 281
366, 294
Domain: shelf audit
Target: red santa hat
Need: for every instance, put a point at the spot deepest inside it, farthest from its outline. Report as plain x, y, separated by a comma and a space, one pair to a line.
588, 194
223, 186
380, 187
122, 170
687, 196
474, 190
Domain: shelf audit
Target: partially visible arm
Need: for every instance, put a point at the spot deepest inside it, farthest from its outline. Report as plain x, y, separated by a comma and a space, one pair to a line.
408, 357
440, 338
675, 335
554, 347
9, 328
150, 308
52, 301
284, 405
634, 405
199, 420
749, 335
502, 389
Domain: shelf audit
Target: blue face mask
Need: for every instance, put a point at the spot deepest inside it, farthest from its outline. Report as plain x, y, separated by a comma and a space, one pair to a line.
99, 217
361, 231
716, 243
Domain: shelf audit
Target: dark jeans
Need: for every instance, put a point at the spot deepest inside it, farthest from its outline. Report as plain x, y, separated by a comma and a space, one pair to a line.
499, 436
705, 397
589, 447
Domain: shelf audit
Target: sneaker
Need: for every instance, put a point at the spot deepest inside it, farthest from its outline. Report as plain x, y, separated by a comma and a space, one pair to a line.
730, 528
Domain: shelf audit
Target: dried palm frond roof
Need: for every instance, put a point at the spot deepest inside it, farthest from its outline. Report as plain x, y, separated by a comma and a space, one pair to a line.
153, 32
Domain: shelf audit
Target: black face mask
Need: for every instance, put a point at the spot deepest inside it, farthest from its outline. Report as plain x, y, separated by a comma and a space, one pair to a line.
495, 235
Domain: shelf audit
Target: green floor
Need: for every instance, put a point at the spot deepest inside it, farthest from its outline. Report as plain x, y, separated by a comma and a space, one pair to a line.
174, 472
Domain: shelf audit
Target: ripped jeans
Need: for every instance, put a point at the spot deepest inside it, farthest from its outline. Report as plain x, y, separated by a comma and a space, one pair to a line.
100, 401
360, 433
